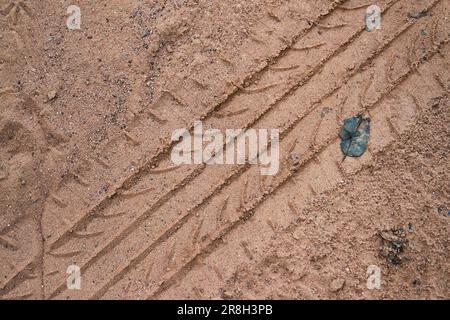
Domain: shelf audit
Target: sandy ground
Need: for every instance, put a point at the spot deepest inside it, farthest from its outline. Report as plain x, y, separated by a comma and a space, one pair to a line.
86, 177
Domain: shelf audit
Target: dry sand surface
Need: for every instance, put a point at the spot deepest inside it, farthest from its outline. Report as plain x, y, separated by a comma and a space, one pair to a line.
86, 177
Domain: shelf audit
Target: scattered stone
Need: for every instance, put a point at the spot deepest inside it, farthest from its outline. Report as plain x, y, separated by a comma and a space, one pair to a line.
146, 33
135, 13
325, 111
393, 244
442, 210
337, 284
295, 235
410, 227
295, 158
417, 15
51, 95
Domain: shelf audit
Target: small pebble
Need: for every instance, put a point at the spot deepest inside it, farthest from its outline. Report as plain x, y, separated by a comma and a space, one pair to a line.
337, 285
417, 15
51, 95
410, 227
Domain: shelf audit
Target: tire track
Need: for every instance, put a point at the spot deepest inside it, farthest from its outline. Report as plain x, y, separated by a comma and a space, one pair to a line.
361, 67
244, 219
364, 65
212, 246
255, 230
84, 220
292, 88
20, 242
305, 79
161, 154
89, 218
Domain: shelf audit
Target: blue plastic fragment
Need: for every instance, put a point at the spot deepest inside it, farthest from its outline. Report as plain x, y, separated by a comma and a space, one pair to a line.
355, 136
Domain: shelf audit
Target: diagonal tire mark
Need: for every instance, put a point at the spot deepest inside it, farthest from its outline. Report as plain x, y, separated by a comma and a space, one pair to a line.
240, 171
213, 245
